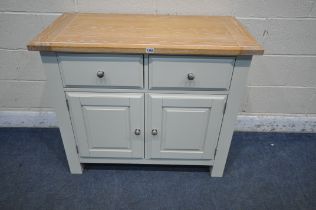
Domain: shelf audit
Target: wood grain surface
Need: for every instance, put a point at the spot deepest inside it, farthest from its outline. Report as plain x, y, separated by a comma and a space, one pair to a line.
113, 33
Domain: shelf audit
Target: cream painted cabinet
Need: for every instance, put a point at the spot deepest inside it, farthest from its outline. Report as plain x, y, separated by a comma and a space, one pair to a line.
146, 89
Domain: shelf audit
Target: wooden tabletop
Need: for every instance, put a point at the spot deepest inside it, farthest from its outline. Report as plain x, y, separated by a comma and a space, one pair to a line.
109, 33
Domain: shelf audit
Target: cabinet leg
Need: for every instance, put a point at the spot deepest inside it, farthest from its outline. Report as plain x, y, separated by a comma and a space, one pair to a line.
237, 88
75, 168
216, 171
56, 92
74, 164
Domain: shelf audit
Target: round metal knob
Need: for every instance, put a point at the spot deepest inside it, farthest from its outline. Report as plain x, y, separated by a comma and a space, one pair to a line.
100, 74
154, 132
191, 76
137, 132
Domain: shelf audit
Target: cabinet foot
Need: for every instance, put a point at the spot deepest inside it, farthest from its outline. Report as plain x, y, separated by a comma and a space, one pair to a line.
216, 173
76, 169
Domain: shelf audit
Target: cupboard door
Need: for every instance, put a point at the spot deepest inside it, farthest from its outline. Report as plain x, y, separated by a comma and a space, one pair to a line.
182, 126
108, 124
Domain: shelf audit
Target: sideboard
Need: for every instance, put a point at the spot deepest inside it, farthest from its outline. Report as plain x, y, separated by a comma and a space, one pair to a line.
146, 89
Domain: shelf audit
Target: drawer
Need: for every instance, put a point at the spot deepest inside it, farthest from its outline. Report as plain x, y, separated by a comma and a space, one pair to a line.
110, 71
190, 72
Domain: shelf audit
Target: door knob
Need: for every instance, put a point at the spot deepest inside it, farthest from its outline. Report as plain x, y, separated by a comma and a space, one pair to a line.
191, 76
100, 74
154, 132
137, 132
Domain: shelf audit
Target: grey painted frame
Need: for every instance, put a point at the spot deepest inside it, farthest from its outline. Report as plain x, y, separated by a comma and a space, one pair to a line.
237, 91
234, 96
58, 100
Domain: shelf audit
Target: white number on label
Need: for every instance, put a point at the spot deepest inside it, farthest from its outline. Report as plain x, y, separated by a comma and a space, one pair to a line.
150, 50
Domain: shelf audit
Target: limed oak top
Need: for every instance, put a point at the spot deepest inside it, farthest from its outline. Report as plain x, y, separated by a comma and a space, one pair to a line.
110, 33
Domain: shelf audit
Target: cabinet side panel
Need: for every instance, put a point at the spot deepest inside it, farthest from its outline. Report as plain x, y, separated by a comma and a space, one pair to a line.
238, 84
58, 101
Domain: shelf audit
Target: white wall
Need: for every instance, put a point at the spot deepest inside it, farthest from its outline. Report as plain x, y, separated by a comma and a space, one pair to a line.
283, 81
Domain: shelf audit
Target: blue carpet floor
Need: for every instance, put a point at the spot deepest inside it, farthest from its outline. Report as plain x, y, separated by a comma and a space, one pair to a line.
264, 171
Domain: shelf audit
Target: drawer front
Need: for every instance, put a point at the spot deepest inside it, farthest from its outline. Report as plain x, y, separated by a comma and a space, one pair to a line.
188, 72
111, 71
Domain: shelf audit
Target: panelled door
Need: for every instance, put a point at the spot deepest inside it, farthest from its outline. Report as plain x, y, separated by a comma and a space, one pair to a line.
183, 126
108, 124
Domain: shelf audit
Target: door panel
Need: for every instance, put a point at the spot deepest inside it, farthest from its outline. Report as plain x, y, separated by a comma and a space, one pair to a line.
117, 127
105, 123
187, 126
180, 137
